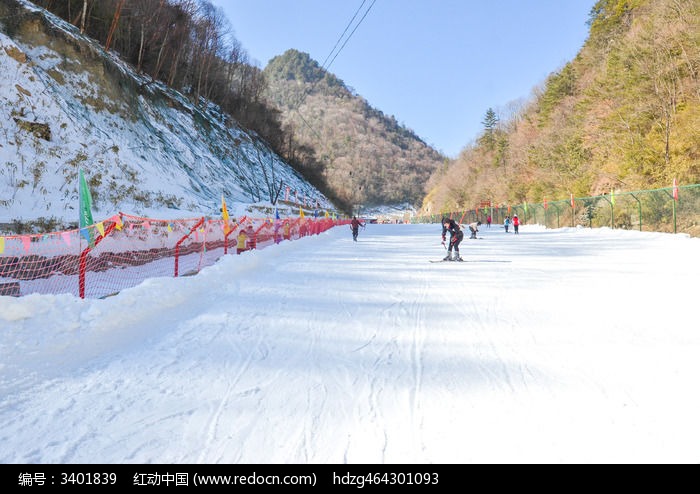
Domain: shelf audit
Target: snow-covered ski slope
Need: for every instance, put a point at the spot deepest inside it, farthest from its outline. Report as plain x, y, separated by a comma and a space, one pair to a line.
583, 348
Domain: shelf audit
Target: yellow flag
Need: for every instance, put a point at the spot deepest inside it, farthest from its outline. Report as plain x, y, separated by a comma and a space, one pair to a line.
224, 215
301, 212
2, 245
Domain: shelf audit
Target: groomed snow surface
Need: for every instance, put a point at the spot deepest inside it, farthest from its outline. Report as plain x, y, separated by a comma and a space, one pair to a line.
551, 346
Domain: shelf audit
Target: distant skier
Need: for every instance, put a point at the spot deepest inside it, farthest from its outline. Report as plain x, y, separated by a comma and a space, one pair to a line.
516, 224
355, 225
474, 228
245, 240
506, 223
456, 236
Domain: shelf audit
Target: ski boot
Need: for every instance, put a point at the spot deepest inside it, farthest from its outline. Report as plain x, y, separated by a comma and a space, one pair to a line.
448, 257
457, 257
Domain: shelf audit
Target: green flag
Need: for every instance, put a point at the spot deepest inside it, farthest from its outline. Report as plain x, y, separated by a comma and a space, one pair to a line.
85, 210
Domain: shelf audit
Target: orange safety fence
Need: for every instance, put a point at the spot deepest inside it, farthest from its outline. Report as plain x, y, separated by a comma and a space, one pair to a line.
124, 250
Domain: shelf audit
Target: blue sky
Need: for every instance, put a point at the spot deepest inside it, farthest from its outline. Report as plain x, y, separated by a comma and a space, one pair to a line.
436, 65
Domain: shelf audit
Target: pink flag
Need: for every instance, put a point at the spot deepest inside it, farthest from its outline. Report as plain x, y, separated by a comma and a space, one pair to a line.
26, 242
675, 190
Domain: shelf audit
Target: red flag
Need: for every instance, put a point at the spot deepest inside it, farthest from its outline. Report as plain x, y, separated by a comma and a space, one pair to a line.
675, 190
545, 203
573, 204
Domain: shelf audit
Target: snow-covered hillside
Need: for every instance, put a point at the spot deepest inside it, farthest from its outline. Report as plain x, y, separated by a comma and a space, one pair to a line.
67, 105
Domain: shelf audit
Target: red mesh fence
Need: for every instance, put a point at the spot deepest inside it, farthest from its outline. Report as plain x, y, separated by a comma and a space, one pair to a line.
124, 250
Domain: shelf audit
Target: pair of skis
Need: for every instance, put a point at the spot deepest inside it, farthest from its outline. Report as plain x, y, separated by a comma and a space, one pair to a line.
468, 260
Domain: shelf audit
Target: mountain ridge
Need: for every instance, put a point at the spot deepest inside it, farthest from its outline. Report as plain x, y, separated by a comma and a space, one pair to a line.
366, 156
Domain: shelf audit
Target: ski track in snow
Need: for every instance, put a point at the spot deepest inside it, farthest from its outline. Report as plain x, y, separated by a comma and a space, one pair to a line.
389, 359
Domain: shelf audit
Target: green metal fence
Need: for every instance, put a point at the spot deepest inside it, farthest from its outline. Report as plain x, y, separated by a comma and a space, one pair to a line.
671, 209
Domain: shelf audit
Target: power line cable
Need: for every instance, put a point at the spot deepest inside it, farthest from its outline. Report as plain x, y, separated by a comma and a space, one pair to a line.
345, 31
353, 31
325, 67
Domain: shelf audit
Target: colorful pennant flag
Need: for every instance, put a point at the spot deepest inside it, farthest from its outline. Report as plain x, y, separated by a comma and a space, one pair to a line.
85, 209
573, 204
225, 216
675, 190
612, 196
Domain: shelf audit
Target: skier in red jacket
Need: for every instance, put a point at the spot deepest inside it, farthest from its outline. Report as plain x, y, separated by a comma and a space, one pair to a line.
516, 223
355, 225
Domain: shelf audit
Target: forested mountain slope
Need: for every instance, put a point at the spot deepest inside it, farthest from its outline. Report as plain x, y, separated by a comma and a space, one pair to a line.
623, 115
366, 157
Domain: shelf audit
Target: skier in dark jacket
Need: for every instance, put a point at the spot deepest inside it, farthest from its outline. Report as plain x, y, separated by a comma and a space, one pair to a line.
456, 236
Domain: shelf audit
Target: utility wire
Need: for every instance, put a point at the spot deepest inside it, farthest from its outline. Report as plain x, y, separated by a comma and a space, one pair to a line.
353, 31
325, 67
345, 31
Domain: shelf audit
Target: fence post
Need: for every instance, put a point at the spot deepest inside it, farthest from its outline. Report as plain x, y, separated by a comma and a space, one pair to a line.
83, 259
179, 242
612, 212
673, 200
545, 213
674, 196
573, 211
639, 208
